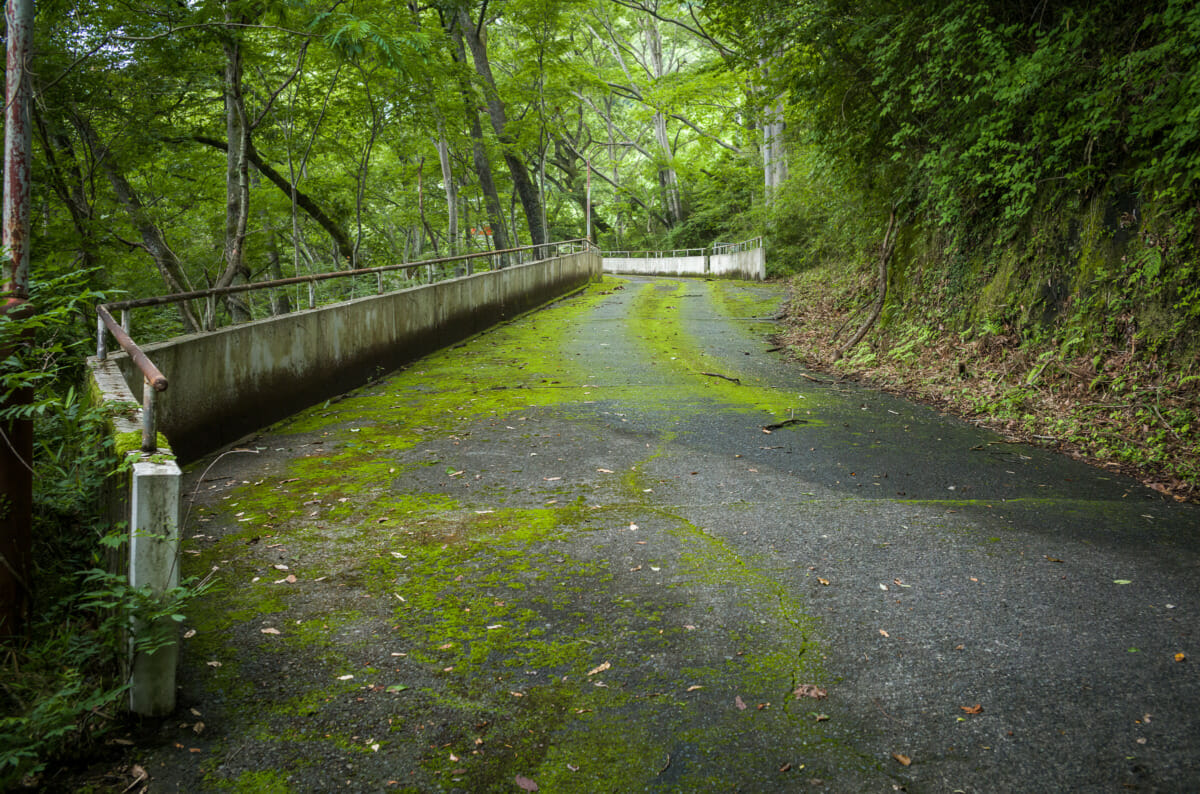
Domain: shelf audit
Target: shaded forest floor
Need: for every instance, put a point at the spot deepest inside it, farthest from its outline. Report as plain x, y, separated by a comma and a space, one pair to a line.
1121, 410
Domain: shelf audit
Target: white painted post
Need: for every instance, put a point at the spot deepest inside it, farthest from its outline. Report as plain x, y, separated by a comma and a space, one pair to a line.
154, 561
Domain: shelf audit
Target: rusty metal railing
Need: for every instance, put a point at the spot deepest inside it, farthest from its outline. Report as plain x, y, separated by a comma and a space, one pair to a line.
156, 382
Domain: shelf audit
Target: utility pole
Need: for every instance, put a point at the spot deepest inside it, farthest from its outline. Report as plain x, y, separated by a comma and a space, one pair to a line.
16, 449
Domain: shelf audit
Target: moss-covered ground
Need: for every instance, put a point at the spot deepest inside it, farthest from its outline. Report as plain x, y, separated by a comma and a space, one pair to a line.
460, 579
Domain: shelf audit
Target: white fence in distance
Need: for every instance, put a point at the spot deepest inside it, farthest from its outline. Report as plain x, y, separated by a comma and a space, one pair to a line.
745, 260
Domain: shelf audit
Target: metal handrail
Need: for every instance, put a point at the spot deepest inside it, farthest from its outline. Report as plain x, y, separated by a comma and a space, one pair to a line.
735, 248
179, 297
657, 254
156, 382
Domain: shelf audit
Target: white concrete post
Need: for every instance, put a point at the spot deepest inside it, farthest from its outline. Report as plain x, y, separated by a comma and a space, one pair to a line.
154, 561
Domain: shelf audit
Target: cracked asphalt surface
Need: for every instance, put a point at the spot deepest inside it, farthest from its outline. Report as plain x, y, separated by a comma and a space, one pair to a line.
983, 616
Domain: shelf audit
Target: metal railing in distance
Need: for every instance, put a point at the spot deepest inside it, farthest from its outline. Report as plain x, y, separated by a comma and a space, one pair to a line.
440, 269
736, 248
678, 252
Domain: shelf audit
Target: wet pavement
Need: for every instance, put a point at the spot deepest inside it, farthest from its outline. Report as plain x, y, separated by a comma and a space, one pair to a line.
619, 545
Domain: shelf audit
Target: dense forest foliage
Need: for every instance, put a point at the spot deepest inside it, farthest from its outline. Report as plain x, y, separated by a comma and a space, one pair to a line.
1042, 161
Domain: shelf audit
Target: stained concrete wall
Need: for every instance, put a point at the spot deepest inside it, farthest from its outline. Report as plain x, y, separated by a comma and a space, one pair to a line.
750, 265
227, 383
656, 265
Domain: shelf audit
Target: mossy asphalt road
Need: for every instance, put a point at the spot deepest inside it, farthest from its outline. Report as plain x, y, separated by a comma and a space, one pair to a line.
616, 545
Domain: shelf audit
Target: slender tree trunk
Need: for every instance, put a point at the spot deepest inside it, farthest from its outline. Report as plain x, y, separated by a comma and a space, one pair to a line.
479, 156
522, 183
450, 186
774, 153
280, 302
889, 245
667, 177
237, 180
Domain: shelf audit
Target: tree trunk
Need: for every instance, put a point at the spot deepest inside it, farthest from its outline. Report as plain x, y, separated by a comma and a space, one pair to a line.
889, 245
479, 156
280, 302
774, 154
237, 181
450, 186
522, 183
667, 177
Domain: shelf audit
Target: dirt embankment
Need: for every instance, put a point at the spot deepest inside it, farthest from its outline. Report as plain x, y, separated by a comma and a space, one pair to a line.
1120, 409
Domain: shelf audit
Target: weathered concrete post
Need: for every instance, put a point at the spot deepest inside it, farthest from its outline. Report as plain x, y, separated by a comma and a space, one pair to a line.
154, 561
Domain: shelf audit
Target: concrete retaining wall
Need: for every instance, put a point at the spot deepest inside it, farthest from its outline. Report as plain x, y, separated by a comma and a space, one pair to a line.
750, 265
656, 265
229, 382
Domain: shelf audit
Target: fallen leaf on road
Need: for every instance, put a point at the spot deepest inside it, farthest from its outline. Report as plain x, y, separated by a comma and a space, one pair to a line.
1053, 559
600, 668
785, 767
213, 663
976, 709
904, 759
1179, 657
1122, 581
819, 717
694, 687
605, 471
884, 633
526, 784
346, 677
269, 631
280, 567
741, 704
809, 691
823, 581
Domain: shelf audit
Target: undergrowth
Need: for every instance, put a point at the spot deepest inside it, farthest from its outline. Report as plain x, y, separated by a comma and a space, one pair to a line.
1114, 402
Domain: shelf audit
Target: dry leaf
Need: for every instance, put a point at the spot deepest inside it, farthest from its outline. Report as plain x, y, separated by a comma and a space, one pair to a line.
976, 709
526, 784
741, 704
599, 668
269, 630
198, 727
904, 759
187, 635
1179, 657
823, 581
280, 567
213, 663
884, 633
809, 691
785, 767
1052, 559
